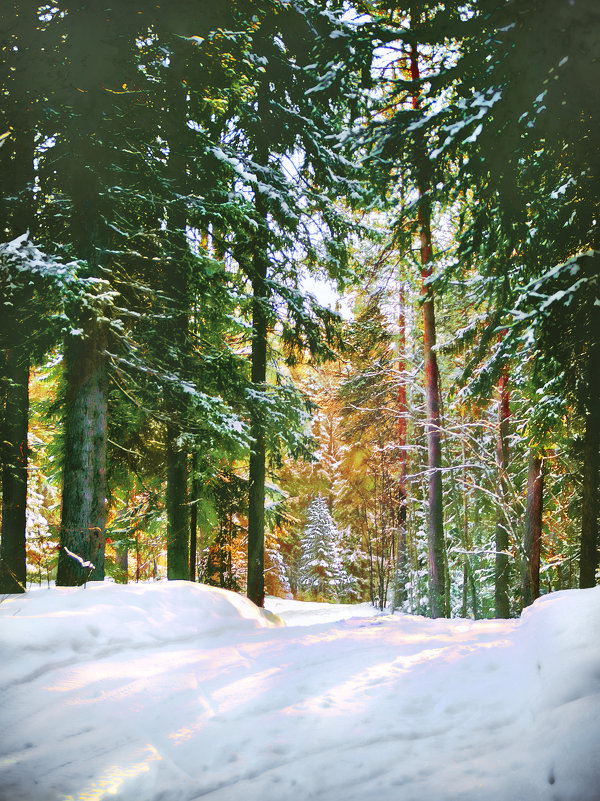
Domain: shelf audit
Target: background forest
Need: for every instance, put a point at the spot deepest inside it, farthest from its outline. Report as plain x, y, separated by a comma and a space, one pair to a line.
302, 297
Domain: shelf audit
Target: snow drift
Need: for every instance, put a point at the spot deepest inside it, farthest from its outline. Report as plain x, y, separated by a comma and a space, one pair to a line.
175, 692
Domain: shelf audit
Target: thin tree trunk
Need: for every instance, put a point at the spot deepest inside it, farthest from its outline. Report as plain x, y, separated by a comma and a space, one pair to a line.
465, 533
14, 471
501, 567
591, 464
437, 568
468, 577
222, 552
178, 328
401, 556
371, 580
84, 471
532, 538
256, 505
459, 513
122, 560
176, 502
194, 519
177, 509
18, 218
229, 538
122, 548
437, 577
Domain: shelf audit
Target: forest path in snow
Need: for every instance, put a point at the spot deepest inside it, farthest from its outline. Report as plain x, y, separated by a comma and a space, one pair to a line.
175, 692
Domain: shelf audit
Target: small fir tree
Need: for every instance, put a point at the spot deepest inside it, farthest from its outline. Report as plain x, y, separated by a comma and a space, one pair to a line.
320, 572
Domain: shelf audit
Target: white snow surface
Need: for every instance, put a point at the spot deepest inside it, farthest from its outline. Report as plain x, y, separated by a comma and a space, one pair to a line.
174, 691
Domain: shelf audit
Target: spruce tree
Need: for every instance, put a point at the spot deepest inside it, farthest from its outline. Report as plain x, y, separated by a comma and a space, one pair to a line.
287, 172
320, 571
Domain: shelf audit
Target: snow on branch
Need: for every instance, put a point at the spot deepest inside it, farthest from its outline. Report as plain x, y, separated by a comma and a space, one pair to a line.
21, 256
83, 562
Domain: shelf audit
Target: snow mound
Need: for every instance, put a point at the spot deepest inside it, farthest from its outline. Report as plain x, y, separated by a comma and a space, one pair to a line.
103, 618
175, 692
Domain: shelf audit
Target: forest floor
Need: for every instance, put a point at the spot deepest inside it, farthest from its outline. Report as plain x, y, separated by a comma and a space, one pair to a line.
175, 691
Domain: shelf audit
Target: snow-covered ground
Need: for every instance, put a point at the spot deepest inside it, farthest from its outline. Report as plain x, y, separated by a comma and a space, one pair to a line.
176, 691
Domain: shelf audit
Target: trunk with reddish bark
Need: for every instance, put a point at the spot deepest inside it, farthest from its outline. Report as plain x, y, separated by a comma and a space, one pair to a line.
436, 543
532, 537
401, 554
502, 565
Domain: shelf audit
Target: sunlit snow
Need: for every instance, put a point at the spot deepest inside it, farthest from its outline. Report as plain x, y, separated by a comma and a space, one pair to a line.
174, 691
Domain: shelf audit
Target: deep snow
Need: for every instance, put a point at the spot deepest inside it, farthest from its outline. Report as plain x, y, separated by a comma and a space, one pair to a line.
175, 691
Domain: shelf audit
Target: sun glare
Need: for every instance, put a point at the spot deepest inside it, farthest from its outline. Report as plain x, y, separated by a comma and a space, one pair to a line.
115, 775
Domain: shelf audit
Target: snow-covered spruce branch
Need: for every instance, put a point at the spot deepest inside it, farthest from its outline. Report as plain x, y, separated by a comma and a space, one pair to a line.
217, 414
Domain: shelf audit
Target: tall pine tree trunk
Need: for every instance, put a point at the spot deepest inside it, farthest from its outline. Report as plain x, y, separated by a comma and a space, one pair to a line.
83, 516
501, 566
437, 561
178, 328
532, 537
14, 469
258, 452
18, 218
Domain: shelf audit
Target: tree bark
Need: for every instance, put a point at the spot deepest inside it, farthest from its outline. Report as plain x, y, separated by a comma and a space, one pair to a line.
122, 560
177, 509
401, 556
194, 519
16, 217
468, 577
177, 330
84, 505
437, 569
256, 505
532, 537
83, 516
501, 567
13, 572
591, 464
